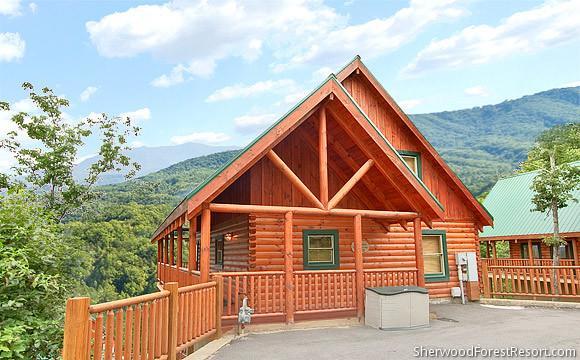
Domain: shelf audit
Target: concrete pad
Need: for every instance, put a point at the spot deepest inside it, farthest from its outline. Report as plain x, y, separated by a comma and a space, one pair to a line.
532, 303
456, 327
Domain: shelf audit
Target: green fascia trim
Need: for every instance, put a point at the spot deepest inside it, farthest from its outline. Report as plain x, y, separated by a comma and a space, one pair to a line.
387, 142
246, 148
445, 276
357, 57
416, 155
428, 142
306, 264
249, 146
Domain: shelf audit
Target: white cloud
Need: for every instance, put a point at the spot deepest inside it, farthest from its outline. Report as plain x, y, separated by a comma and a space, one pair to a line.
253, 123
408, 105
373, 38
10, 7
33, 7
571, 84
322, 73
201, 137
80, 159
137, 115
136, 144
12, 47
243, 91
551, 24
88, 92
476, 91
195, 35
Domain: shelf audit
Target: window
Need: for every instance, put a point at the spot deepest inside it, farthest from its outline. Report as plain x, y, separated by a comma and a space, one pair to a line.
219, 250
413, 161
566, 251
320, 249
537, 254
435, 257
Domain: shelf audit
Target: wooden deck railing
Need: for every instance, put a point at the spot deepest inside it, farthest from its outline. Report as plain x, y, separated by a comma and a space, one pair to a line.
390, 277
525, 262
319, 290
265, 291
152, 326
531, 281
170, 273
313, 291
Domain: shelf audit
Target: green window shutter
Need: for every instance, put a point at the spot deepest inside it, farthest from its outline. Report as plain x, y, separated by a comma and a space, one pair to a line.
316, 249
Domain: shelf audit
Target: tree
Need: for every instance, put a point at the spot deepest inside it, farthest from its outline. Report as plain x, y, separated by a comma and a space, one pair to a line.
47, 163
38, 271
556, 181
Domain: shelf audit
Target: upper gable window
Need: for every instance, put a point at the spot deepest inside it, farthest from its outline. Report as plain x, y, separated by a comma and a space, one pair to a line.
413, 161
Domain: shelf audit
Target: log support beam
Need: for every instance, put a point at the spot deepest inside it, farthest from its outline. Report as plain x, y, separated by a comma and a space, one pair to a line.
575, 252
323, 158
294, 179
205, 244
171, 248
179, 247
358, 264
263, 209
192, 260
530, 252
289, 267
350, 184
419, 260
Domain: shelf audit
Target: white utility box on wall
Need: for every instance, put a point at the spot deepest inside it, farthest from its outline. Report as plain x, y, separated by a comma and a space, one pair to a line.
396, 307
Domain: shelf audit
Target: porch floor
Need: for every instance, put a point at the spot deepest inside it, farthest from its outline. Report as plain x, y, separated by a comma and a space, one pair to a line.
457, 326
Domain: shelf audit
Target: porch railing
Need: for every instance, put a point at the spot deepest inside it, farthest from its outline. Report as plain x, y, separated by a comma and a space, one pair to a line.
152, 326
171, 273
265, 291
319, 290
531, 281
525, 262
314, 291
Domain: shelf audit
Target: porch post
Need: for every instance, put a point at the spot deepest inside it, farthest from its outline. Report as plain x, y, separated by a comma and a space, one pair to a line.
192, 261
494, 249
289, 267
159, 258
179, 247
323, 158
575, 252
205, 244
487, 249
358, 264
171, 248
419, 260
530, 252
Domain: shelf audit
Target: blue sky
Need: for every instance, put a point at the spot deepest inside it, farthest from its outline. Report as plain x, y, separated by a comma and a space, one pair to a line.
218, 72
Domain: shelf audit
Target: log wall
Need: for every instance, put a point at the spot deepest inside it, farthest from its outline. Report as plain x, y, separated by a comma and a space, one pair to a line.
393, 249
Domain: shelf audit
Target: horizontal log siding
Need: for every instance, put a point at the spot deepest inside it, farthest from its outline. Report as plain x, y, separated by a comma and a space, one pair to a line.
394, 249
236, 251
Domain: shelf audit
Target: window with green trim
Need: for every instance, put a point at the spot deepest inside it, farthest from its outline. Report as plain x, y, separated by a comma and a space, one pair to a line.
536, 251
435, 257
413, 161
320, 249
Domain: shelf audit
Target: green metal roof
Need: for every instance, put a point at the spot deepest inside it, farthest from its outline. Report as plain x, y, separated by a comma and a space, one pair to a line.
510, 202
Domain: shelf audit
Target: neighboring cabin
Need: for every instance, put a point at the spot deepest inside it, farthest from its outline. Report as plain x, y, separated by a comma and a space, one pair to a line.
342, 192
510, 202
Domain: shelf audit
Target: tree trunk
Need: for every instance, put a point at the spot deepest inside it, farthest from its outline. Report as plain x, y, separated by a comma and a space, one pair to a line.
555, 247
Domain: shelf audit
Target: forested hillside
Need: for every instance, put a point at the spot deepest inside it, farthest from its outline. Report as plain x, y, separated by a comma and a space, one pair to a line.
486, 142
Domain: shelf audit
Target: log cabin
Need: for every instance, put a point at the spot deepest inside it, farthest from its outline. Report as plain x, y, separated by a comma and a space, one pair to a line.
510, 200
341, 193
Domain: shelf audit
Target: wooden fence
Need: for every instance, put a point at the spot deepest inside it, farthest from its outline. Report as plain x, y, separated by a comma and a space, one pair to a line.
152, 326
312, 291
171, 273
531, 282
525, 262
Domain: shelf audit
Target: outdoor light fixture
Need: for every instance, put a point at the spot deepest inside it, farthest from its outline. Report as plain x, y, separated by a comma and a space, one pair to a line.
229, 236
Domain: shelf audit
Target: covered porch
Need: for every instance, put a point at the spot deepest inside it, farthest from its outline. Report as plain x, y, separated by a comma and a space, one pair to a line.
289, 294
